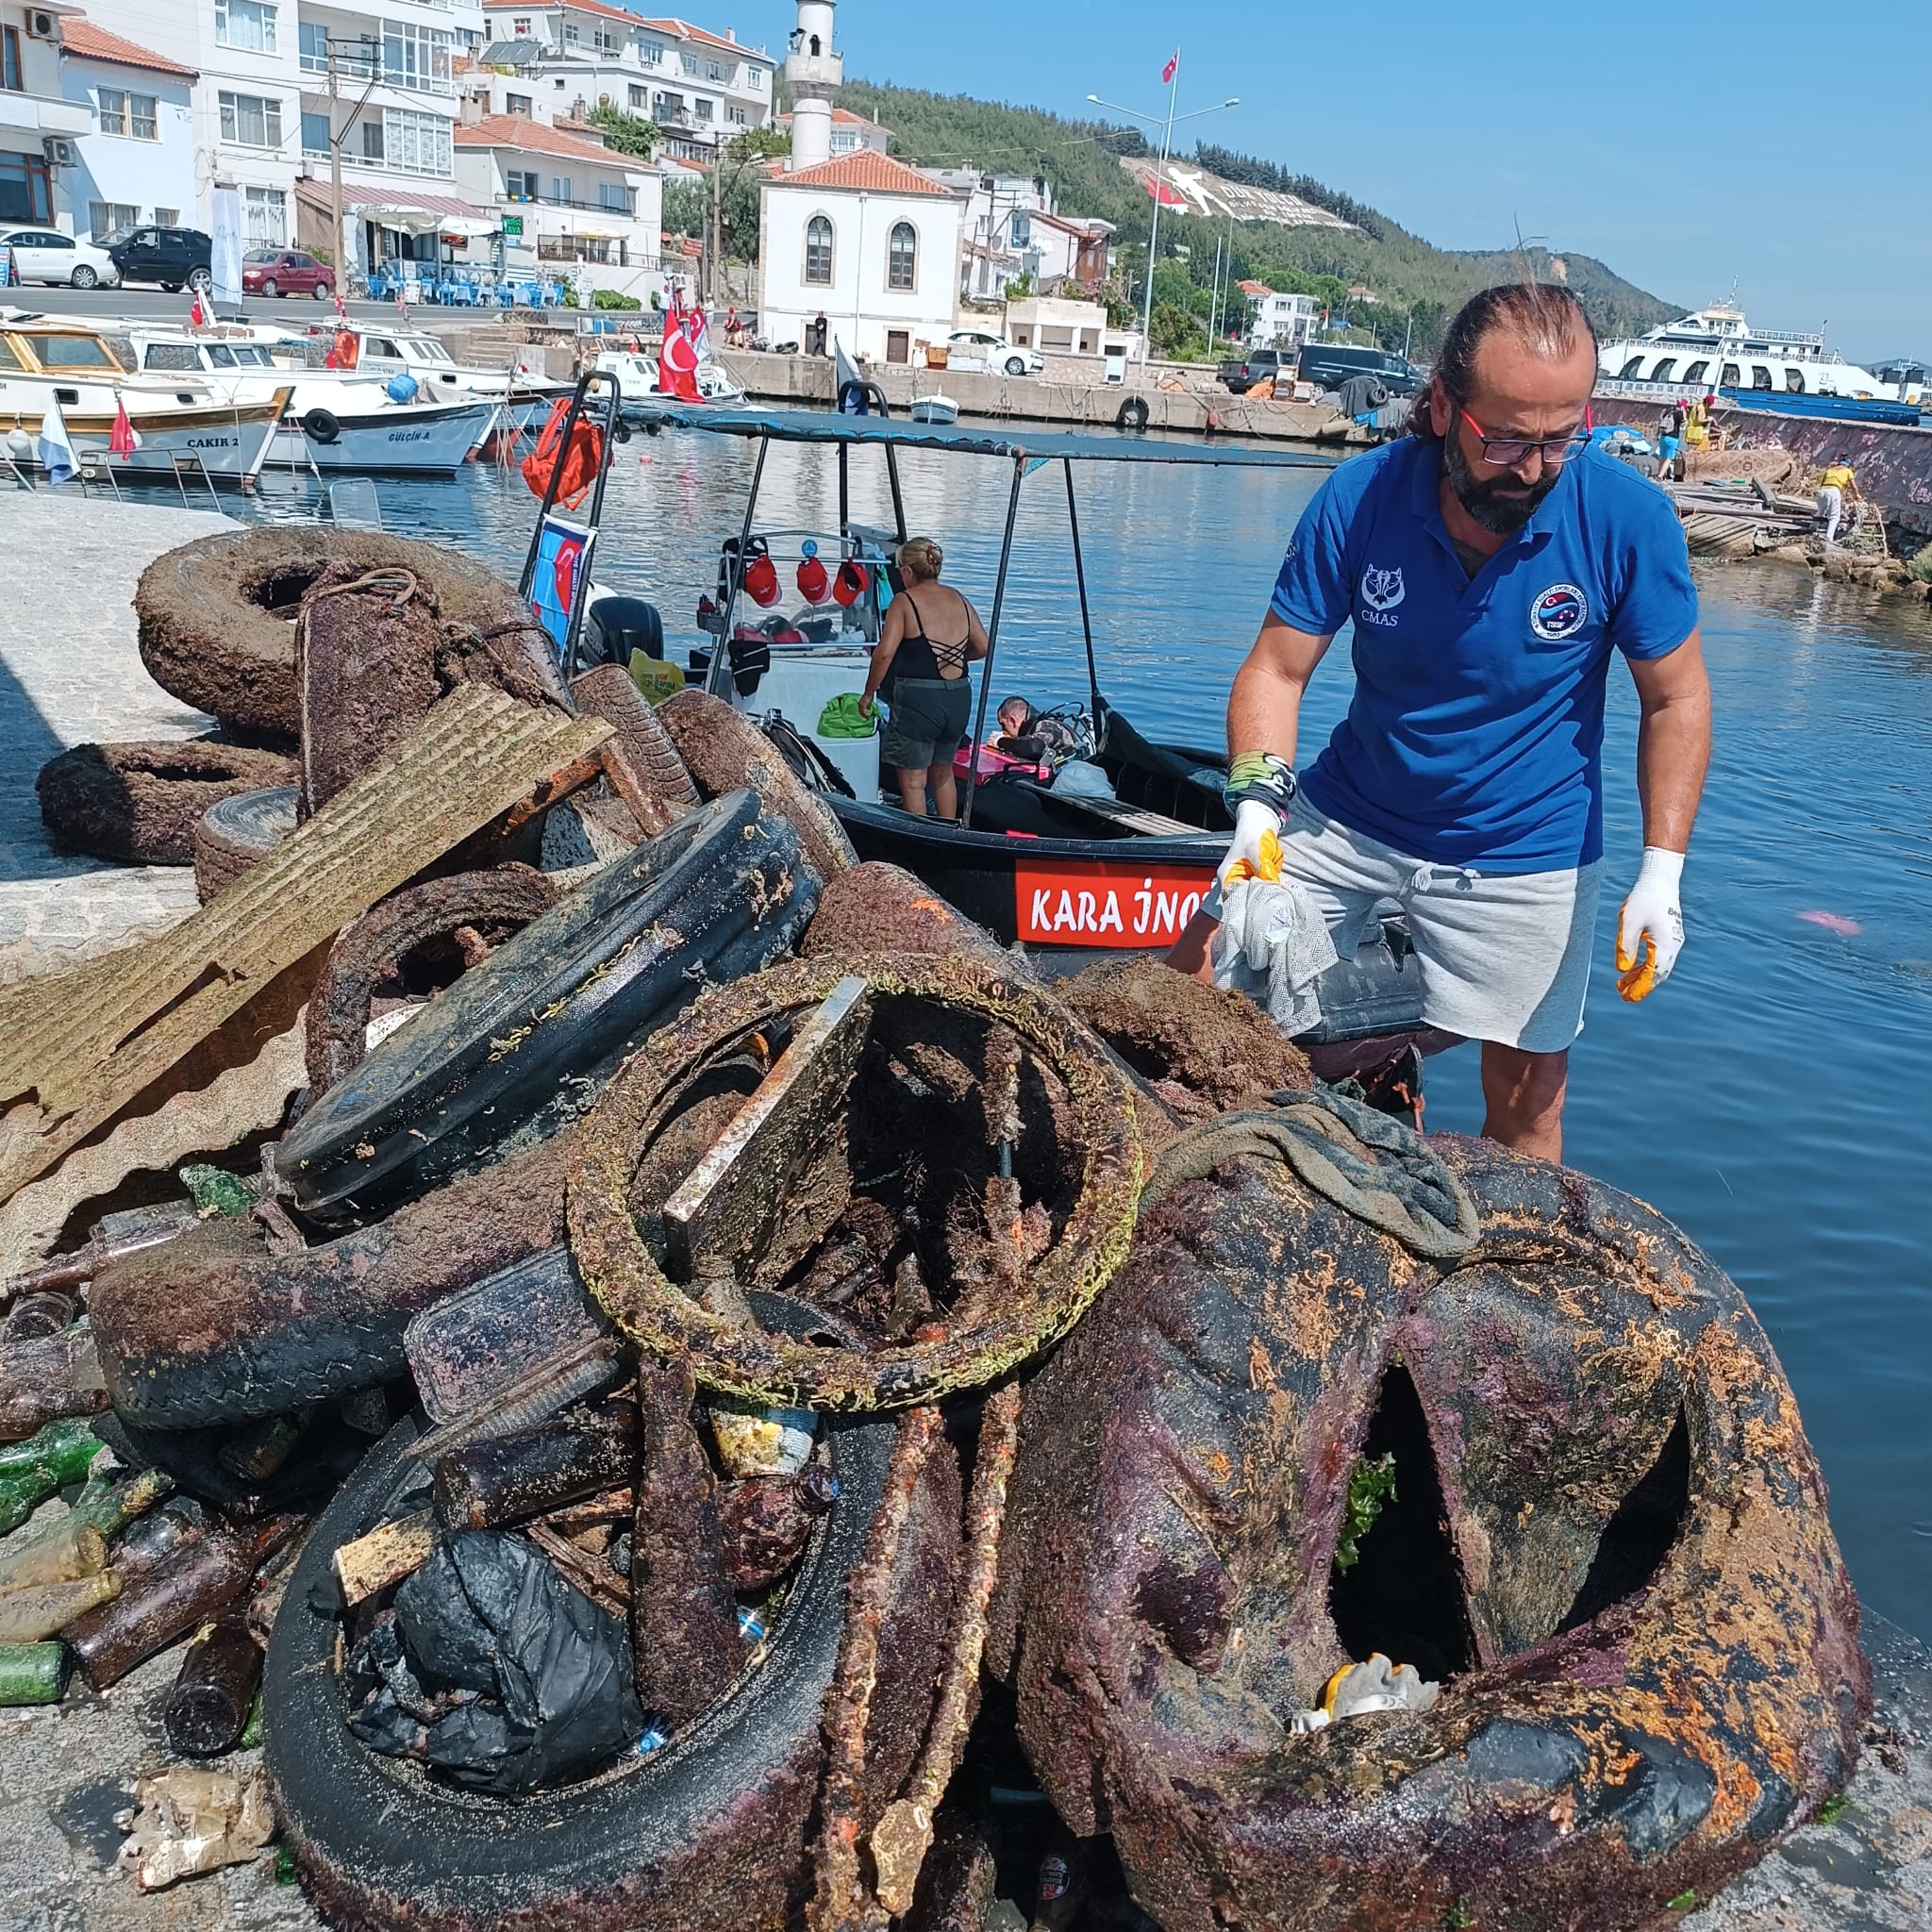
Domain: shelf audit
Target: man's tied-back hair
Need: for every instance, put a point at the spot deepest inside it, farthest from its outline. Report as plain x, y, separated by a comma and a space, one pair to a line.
1549, 319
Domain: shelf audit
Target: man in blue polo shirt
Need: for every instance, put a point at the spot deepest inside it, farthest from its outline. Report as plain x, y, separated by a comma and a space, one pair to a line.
1490, 563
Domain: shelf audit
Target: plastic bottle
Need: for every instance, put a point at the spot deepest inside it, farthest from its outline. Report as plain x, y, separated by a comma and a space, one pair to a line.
27, 1616
32, 1673
215, 1691
205, 1575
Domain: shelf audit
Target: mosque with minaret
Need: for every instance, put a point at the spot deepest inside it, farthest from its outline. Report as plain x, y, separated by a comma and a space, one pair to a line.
862, 240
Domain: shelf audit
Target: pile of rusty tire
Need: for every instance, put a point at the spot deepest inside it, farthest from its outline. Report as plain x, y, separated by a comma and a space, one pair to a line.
1100, 1145
141, 803
1607, 1539
217, 616
237, 831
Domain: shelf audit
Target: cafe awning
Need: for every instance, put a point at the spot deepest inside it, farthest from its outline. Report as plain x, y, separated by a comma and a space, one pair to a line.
410, 213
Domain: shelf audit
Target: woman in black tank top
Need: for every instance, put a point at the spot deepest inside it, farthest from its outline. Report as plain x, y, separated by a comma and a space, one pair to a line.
930, 635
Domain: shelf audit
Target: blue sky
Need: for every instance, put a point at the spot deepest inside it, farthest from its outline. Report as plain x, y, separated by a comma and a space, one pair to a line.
1784, 147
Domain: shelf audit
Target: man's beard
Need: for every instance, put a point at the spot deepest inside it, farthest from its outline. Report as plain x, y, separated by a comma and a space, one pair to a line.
1499, 514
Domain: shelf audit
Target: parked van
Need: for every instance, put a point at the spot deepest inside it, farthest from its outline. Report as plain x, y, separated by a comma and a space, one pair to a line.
1329, 365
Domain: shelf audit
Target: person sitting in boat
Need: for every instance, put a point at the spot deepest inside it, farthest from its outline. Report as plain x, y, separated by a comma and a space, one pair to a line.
1013, 717
1838, 487
1490, 563
929, 636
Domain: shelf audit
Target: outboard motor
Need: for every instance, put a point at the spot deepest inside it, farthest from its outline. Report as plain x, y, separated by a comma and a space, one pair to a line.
616, 626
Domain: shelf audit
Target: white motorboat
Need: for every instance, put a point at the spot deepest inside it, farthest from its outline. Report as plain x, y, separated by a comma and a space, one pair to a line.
636, 375
338, 420
936, 407
520, 389
1715, 349
182, 425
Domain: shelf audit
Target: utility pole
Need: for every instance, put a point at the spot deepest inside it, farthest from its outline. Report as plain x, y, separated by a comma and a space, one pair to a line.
1214, 299
1174, 81
717, 217
335, 174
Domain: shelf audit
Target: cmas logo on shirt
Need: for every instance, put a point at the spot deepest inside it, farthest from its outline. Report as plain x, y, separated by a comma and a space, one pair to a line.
1382, 590
1560, 612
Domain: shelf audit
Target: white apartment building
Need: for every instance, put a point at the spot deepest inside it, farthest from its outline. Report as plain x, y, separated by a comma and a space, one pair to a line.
698, 87
1012, 229
1279, 321
38, 123
138, 163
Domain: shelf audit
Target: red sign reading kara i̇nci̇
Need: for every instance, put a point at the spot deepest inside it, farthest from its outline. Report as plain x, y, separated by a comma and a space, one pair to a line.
1105, 904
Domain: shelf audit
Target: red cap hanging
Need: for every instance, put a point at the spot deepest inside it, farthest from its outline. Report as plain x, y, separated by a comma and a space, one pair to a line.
761, 580
849, 586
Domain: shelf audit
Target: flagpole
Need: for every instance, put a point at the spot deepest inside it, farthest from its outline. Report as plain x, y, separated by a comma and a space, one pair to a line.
1154, 232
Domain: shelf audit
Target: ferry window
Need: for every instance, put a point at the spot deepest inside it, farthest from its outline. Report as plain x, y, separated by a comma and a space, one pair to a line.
1730, 377
72, 351
1631, 370
1666, 368
1795, 381
1697, 372
171, 356
1760, 376
818, 250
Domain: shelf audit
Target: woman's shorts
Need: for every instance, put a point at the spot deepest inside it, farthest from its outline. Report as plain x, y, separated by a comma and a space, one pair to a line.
928, 719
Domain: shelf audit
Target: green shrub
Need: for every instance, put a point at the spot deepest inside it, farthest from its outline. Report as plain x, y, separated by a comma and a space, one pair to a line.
611, 298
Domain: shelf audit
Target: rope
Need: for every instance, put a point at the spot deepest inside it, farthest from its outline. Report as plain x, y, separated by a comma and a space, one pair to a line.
1367, 1164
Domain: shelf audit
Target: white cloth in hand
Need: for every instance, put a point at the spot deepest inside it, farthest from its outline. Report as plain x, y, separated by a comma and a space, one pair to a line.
1273, 945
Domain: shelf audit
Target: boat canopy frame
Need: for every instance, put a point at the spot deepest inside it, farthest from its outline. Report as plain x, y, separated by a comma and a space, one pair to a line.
1027, 452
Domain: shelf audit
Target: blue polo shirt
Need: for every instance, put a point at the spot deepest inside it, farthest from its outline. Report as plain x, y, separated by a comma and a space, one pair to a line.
1476, 734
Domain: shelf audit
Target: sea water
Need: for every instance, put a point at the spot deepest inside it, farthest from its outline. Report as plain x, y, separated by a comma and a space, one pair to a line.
1772, 1098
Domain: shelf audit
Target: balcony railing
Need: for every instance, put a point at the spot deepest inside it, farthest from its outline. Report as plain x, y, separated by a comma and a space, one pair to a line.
352, 161
595, 208
352, 68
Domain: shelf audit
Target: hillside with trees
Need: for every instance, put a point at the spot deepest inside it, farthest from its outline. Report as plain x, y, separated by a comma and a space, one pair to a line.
1416, 286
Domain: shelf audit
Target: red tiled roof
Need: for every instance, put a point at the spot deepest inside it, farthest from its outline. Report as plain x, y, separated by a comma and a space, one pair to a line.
842, 117
1253, 288
865, 167
535, 137
684, 30
574, 5
92, 42
675, 29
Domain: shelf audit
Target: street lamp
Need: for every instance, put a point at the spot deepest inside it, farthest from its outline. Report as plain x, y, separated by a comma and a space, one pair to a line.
1174, 82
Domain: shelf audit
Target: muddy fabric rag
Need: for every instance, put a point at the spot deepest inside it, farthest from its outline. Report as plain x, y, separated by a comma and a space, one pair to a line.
1272, 946
1375, 1167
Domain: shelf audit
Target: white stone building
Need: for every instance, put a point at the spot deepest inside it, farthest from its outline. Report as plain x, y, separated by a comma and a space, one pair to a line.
1279, 321
138, 164
567, 57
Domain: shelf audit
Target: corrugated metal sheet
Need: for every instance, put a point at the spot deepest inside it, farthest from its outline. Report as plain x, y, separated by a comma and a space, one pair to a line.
76, 1047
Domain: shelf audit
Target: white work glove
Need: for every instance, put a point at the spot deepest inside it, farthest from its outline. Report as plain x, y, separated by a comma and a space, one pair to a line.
1650, 929
1254, 821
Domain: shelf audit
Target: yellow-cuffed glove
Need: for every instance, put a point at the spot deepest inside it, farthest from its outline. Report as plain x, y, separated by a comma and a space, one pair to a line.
1650, 929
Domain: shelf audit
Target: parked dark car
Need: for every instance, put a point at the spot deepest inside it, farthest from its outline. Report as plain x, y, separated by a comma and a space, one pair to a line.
1258, 365
175, 257
1329, 365
285, 272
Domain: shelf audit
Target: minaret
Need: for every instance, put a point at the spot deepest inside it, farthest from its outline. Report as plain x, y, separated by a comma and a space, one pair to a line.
813, 72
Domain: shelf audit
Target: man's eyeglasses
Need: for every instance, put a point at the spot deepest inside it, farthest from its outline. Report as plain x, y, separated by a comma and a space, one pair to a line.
1507, 451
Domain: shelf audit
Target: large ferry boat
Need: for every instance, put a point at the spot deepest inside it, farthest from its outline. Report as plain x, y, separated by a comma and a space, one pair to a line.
1715, 349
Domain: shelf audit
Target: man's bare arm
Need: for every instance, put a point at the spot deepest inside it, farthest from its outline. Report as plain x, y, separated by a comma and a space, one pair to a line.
1673, 742
1264, 708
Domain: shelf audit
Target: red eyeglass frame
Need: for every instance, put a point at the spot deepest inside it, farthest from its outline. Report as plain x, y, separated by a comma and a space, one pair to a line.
1483, 437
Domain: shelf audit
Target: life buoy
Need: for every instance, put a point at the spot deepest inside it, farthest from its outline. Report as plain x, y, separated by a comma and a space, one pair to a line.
575, 463
320, 425
1132, 414
348, 347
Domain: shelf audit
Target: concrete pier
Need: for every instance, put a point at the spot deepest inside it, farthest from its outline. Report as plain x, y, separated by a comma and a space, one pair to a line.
70, 674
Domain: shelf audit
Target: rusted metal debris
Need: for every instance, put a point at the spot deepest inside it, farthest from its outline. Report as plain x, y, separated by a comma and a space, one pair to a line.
842, 1901
78, 1047
1096, 1148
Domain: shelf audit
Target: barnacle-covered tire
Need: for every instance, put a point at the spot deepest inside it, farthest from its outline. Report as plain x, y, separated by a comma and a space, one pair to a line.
505, 896
1089, 1246
140, 802
1607, 1542
706, 1835
657, 771
238, 831
722, 748
216, 616
719, 894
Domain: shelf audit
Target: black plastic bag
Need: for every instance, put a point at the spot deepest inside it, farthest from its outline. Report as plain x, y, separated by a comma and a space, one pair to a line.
494, 1671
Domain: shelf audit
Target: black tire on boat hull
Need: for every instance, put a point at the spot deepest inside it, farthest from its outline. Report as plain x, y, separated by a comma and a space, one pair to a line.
216, 615
706, 1834
140, 802
238, 831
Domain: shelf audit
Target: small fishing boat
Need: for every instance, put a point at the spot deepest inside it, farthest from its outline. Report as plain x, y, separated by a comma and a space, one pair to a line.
936, 407
1106, 854
636, 374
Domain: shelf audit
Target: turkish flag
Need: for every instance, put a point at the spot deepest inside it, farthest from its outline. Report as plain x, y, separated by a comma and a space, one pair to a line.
678, 361
1167, 196
124, 441
1167, 73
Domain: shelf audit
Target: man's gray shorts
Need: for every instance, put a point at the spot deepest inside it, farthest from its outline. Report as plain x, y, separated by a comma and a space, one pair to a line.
1504, 955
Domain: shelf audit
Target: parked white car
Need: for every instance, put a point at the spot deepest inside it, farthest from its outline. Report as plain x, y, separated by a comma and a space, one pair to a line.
971, 345
46, 255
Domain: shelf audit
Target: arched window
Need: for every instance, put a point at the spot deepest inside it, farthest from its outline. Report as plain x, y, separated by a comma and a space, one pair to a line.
1697, 372
1631, 369
1760, 376
902, 255
818, 250
1795, 381
1729, 376
1665, 369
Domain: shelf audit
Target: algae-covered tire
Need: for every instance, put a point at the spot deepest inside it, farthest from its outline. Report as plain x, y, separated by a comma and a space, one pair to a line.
719, 894
1607, 1541
722, 749
217, 615
706, 1835
140, 802
238, 831
656, 771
